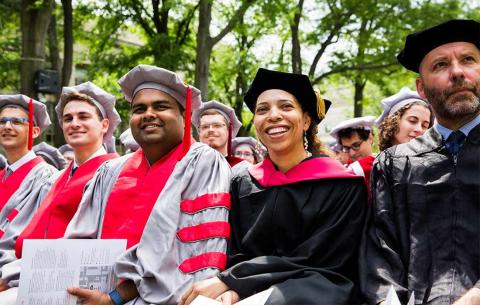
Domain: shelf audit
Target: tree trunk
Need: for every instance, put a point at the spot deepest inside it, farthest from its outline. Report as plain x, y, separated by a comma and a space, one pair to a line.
241, 85
205, 42
358, 97
35, 18
296, 52
54, 52
204, 48
55, 61
360, 81
67, 42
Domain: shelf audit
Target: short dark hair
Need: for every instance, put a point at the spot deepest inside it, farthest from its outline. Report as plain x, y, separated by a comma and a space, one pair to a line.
362, 133
74, 96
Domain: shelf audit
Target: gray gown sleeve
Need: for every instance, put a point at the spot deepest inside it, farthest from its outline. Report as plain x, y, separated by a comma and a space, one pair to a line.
86, 223
153, 264
26, 201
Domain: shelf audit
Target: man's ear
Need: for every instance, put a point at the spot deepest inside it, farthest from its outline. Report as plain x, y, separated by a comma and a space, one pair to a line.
420, 87
35, 132
105, 125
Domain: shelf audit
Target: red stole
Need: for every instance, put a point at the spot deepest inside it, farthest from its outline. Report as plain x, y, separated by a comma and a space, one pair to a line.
134, 194
57, 209
12, 183
311, 169
232, 161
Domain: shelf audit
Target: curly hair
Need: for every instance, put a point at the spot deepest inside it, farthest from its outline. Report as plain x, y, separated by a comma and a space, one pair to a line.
315, 145
389, 127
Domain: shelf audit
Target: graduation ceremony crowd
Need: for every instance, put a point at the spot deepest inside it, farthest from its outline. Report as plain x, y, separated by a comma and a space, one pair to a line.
227, 217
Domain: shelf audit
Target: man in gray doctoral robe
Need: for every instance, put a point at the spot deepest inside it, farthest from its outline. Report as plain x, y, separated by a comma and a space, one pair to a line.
177, 234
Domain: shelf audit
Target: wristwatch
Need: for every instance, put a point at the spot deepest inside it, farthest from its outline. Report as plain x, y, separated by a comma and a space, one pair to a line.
116, 298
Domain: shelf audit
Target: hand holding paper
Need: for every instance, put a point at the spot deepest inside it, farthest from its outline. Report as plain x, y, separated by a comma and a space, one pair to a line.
90, 297
211, 288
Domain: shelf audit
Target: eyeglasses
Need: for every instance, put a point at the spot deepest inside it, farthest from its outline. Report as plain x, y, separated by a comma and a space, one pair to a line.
355, 146
245, 154
214, 126
15, 122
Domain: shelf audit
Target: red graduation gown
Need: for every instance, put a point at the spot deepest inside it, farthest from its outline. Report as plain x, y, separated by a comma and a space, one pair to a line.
57, 209
134, 194
13, 182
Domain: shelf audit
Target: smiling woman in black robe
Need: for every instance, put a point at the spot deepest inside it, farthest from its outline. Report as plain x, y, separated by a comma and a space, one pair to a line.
296, 219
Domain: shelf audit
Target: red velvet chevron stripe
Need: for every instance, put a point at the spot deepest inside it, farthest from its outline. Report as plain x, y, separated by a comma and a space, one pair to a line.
207, 201
205, 260
11, 216
214, 229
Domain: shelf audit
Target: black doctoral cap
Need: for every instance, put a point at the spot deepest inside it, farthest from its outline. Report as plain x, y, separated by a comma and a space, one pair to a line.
296, 84
419, 44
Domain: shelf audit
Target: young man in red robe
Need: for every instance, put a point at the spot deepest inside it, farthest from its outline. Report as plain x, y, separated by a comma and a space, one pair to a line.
87, 115
21, 120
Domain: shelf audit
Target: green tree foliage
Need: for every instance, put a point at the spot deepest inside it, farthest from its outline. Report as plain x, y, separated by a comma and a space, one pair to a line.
10, 43
345, 45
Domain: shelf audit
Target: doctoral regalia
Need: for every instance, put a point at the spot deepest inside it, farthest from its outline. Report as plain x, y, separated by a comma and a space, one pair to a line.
424, 235
297, 232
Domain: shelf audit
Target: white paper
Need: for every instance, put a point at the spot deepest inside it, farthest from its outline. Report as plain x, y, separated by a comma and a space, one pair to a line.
392, 298
201, 300
49, 267
411, 301
256, 299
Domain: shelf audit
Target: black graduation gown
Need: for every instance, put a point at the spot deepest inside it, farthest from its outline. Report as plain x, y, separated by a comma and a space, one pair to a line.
300, 238
425, 230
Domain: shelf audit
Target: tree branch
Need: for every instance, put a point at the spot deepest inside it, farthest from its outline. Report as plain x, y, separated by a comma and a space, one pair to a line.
362, 67
138, 16
184, 25
329, 40
233, 21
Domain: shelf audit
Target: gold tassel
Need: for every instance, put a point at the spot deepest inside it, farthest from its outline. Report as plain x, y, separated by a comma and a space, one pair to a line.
320, 104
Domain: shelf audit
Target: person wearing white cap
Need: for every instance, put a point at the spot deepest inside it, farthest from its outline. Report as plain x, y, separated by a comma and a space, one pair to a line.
67, 152
249, 149
356, 138
21, 120
405, 116
169, 199
128, 141
423, 237
217, 125
86, 113
50, 154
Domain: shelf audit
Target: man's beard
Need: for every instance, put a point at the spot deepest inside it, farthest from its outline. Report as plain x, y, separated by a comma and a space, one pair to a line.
458, 106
